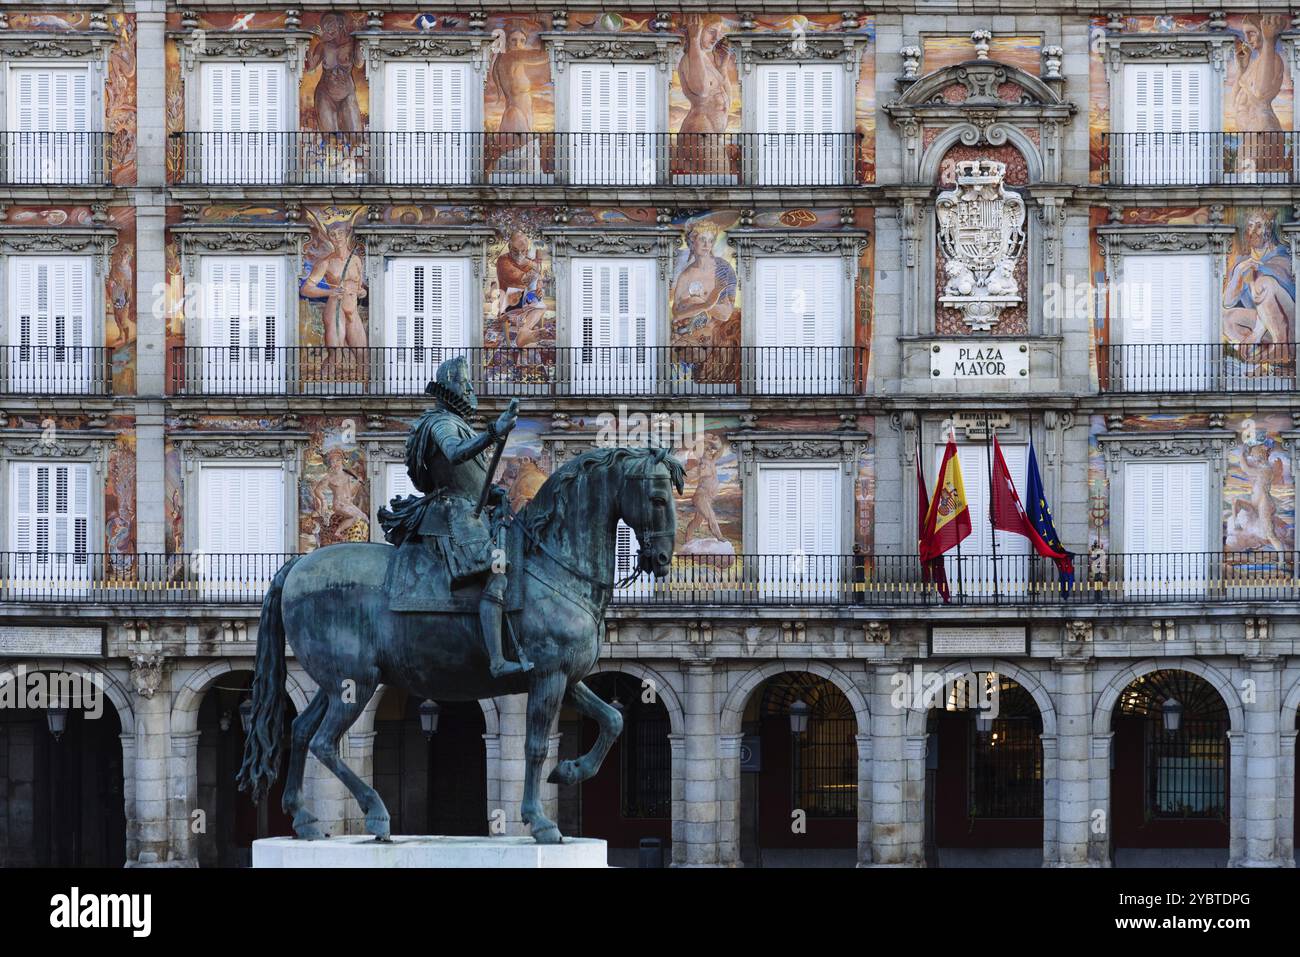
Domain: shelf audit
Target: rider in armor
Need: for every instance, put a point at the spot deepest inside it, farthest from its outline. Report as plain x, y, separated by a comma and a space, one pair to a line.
448, 462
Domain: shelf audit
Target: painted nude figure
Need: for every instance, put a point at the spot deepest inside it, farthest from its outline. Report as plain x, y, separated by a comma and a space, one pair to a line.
1253, 523
706, 490
338, 277
1259, 297
703, 299
1260, 73
334, 494
700, 147
516, 67
519, 278
337, 110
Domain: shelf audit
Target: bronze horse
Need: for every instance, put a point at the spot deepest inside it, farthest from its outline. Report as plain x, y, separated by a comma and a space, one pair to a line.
332, 608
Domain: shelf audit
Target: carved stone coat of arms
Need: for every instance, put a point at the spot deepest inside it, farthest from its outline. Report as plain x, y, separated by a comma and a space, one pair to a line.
982, 235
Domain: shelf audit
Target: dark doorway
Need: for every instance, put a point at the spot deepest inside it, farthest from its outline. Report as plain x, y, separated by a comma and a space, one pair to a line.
231, 820
434, 784
61, 800
1170, 779
801, 742
984, 775
630, 799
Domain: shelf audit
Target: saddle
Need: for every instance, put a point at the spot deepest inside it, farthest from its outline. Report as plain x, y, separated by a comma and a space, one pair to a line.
420, 579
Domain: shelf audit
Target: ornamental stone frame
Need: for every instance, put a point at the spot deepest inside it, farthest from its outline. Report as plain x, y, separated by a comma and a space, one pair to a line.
847, 244
211, 449
981, 119
41, 48
382, 47
387, 242
1208, 446
95, 242
194, 241
760, 447
1122, 49
80, 446
569, 244
1213, 239
223, 46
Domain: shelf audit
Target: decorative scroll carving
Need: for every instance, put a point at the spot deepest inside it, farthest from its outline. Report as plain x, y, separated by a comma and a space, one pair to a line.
98, 241
287, 45
797, 47
42, 44
381, 45
658, 48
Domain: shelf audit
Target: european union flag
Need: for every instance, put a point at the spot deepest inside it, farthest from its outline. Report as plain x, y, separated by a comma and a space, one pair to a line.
1041, 518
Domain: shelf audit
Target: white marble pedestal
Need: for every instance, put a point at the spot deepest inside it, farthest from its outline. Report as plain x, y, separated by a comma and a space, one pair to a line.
419, 851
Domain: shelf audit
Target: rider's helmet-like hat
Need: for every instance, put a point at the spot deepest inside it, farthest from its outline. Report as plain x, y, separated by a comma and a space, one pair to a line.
453, 388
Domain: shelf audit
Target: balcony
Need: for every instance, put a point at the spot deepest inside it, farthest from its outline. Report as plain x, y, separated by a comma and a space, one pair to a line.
55, 370
525, 372
55, 158
1199, 159
875, 581
515, 159
1200, 367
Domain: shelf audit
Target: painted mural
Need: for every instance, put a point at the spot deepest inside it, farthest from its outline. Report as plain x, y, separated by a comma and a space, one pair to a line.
1022, 52
1258, 505
519, 92
1258, 92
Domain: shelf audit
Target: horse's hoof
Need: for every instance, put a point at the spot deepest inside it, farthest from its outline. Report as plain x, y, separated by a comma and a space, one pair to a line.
566, 772
308, 832
378, 826
384, 840
548, 835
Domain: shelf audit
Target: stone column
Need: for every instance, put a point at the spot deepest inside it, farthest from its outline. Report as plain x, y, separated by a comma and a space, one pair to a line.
514, 711
729, 799
1099, 797
361, 752
897, 793
1261, 742
182, 801
1286, 797
492, 755
702, 748
865, 745
1073, 766
152, 745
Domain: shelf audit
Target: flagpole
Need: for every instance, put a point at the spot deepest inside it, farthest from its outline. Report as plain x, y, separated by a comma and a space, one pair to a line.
961, 581
993, 528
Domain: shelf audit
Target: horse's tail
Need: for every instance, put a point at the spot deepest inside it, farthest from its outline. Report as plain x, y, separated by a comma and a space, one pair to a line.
265, 744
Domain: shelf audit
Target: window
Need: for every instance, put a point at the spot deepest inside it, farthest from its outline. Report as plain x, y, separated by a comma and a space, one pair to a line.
50, 125
49, 325
975, 572
244, 117
612, 309
243, 302
428, 114
241, 528
1004, 761
799, 324
800, 125
1166, 537
612, 111
799, 530
397, 483
1167, 117
429, 308
1166, 323
49, 525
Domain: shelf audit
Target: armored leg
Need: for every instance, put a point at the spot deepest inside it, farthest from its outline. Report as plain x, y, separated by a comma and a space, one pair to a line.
491, 613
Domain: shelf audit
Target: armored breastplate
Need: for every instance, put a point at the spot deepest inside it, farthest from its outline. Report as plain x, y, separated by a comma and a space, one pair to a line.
466, 479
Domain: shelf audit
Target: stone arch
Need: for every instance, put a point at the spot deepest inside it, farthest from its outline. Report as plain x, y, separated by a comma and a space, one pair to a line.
666, 692
189, 697
119, 696
925, 90
916, 720
733, 708
1122, 679
365, 723
998, 134
1290, 704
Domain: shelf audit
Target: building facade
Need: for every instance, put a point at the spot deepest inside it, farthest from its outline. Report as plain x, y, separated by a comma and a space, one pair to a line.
806, 246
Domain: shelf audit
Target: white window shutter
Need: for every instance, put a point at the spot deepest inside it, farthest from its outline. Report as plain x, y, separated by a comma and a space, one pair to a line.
242, 509
397, 482
243, 323
23, 514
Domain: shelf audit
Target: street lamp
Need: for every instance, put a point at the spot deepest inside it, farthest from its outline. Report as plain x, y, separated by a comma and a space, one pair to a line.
1172, 714
246, 715
799, 712
56, 719
429, 712
983, 721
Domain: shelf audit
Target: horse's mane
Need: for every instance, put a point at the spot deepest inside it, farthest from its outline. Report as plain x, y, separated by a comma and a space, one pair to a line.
548, 505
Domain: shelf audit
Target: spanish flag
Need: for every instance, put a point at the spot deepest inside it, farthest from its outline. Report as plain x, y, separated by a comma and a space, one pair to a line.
948, 520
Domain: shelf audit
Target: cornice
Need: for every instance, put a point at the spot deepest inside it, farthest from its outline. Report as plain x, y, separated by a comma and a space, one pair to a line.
660, 49
381, 45
46, 44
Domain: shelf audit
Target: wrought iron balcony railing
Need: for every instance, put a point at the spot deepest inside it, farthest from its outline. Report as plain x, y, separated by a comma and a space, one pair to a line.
55, 370
55, 158
515, 159
1200, 367
1199, 159
727, 580
532, 371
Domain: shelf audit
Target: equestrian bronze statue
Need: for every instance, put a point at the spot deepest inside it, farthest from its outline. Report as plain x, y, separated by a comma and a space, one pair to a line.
466, 582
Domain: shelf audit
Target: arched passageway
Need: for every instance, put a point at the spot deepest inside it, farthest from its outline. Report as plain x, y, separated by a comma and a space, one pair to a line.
431, 768
799, 774
61, 782
1170, 766
984, 775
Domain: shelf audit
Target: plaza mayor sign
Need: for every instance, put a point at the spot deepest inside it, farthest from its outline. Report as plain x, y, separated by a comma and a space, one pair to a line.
964, 359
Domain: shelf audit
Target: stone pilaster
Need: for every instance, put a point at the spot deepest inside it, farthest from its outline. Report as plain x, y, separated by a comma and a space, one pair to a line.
1073, 749
702, 765
1262, 751
897, 788
514, 720
152, 706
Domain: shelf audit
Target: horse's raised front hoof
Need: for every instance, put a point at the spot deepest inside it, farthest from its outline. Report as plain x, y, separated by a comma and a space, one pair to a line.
566, 772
